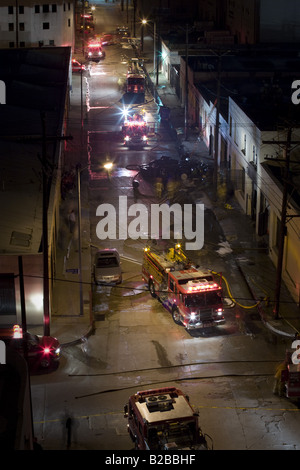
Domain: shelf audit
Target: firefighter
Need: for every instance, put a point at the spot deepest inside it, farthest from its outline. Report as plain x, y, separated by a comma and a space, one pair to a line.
278, 387
159, 187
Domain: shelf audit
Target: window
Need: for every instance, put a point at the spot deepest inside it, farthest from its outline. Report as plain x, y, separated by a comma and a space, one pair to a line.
21, 26
46, 8
69, 22
11, 44
51, 42
37, 8
11, 26
46, 25
230, 125
54, 8
22, 44
244, 145
254, 155
10, 10
21, 9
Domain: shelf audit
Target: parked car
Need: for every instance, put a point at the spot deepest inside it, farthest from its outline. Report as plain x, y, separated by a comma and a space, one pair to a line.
77, 66
41, 352
107, 267
166, 167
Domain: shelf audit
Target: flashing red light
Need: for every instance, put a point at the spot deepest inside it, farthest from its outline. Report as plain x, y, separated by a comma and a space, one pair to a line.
47, 350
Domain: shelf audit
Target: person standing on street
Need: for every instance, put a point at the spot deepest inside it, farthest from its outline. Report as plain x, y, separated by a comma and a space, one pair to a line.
72, 220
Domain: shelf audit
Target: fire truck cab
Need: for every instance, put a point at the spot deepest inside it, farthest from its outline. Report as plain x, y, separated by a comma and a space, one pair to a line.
163, 419
135, 130
192, 295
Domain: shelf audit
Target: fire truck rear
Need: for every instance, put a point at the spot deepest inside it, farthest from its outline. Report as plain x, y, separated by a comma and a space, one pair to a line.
135, 84
192, 295
163, 419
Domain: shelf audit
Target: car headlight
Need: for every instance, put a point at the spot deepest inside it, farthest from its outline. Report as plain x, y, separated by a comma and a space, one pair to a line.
193, 315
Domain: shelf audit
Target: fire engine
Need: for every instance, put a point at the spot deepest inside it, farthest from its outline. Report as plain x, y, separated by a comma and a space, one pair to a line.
135, 85
135, 130
163, 419
94, 51
192, 295
291, 375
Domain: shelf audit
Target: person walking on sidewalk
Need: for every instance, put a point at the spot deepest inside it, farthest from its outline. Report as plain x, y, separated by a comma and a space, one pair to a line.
72, 221
278, 387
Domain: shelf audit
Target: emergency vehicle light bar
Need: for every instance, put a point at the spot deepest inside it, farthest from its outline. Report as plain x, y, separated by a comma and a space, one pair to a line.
203, 287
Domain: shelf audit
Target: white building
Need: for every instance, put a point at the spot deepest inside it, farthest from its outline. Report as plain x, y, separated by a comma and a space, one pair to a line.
32, 23
257, 168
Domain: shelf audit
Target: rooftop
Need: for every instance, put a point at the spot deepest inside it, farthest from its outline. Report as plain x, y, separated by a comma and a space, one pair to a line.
36, 82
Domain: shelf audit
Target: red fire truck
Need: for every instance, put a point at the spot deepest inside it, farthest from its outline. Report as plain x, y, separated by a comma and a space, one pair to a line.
291, 375
135, 130
94, 51
192, 295
163, 419
135, 84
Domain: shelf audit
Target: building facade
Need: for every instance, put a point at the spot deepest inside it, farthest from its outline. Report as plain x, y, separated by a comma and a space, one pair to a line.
32, 23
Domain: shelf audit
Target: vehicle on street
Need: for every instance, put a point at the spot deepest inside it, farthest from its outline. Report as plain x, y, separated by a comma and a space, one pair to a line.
290, 375
163, 419
94, 52
191, 294
77, 66
160, 168
135, 130
167, 167
107, 267
108, 39
41, 352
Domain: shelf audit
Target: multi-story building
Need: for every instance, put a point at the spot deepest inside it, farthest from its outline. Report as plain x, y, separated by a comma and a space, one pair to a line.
32, 23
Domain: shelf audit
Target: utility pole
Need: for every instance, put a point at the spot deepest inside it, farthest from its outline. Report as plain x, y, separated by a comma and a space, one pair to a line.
282, 225
217, 128
186, 101
45, 168
45, 232
286, 180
